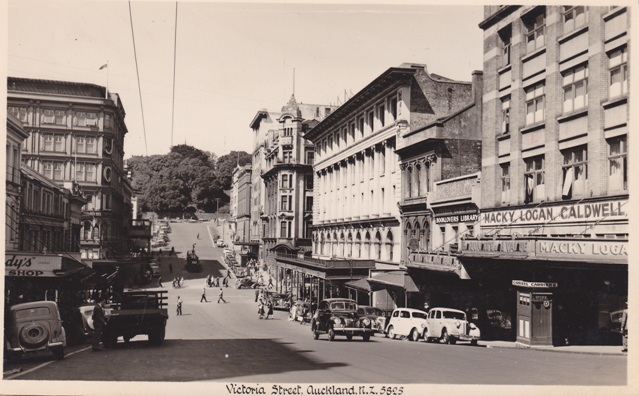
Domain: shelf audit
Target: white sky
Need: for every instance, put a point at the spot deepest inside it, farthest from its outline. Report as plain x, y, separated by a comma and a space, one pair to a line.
232, 59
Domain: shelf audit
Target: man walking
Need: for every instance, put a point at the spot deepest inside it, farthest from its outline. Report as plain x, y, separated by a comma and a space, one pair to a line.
221, 296
204, 295
179, 306
160, 281
257, 293
99, 322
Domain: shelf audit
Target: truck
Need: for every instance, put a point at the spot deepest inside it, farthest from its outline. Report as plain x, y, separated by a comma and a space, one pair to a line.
136, 312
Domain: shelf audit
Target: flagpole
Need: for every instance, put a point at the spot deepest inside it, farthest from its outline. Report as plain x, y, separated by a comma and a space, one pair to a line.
106, 92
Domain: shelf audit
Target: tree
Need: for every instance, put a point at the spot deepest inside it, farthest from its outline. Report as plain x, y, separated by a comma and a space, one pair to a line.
226, 164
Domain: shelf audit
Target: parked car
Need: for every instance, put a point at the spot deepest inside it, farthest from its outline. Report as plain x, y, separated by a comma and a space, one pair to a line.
32, 327
300, 311
407, 322
245, 283
338, 316
376, 315
281, 301
81, 324
449, 325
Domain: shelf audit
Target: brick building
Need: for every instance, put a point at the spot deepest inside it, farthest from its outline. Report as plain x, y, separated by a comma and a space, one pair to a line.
76, 134
552, 246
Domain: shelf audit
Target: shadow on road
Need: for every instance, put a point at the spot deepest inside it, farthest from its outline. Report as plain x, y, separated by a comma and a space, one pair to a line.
181, 360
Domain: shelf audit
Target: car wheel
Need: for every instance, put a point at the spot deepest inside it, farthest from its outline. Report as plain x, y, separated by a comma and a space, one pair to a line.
414, 335
445, 338
58, 352
452, 340
331, 334
366, 337
349, 337
425, 335
391, 333
34, 335
473, 342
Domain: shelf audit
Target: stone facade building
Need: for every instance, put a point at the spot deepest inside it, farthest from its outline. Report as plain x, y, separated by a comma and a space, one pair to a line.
551, 249
76, 134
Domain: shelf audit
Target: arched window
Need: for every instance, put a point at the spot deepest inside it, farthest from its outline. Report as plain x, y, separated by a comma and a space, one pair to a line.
426, 236
87, 228
335, 246
358, 244
378, 245
322, 243
341, 245
96, 233
389, 245
367, 245
349, 245
416, 236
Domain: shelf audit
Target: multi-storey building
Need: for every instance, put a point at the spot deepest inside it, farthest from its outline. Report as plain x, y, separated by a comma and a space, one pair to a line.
76, 134
15, 136
282, 175
552, 247
242, 192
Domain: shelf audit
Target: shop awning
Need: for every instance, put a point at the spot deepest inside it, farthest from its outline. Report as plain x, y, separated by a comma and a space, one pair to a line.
396, 279
359, 284
38, 265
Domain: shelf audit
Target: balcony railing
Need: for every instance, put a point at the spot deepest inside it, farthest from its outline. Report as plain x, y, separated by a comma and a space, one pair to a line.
330, 263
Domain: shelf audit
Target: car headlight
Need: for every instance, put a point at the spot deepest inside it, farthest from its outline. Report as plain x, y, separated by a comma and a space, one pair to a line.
337, 321
472, 326
366, 322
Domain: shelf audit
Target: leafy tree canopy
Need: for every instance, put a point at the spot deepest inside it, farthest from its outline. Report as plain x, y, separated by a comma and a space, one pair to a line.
184, 177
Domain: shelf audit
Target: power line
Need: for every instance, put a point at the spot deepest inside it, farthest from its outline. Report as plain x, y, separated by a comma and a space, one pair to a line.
137, 70
174, 61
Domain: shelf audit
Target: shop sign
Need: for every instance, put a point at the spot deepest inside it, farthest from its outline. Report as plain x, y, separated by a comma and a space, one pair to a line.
583, 248
31, 265
492, 246
465, 218
539, 285
592, 212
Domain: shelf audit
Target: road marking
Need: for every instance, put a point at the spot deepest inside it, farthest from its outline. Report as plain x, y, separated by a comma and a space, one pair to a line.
43, 365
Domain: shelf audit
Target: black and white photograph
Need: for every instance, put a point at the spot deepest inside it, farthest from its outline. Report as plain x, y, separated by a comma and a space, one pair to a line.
317, 198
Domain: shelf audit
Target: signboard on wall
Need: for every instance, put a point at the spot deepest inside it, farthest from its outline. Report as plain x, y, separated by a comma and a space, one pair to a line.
584, 212
464, 218
23, 264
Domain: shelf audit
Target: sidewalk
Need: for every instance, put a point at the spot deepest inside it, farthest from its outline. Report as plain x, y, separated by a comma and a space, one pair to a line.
603, 350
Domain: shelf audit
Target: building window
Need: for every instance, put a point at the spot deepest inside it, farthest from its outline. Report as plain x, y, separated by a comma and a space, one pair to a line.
308, 182
58, 171
48, 116
287, 156
58, 143
535, 31
575, 172
409, 182
285, 229
85, 172
535, 103
309, 204
534, 178
618, 164
285, 203
286, 181
575, 83
48, 169
392, 103
505, 115
310, 157
360, 126
618, 65
19, 112
505, 36
381, 115
505, 183
574, 18
48, 143
371, 121
108, 121
60, 117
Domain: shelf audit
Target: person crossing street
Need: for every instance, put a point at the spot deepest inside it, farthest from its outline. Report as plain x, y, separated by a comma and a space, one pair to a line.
221, 296
204, 295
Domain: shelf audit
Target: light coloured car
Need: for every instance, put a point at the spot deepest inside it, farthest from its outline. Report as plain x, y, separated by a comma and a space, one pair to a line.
407, 322
449, 325
32, 327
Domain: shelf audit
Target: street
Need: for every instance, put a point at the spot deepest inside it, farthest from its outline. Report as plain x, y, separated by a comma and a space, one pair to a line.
226, 342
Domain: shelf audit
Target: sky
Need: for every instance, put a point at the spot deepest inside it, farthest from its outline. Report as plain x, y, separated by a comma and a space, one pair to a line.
231, 59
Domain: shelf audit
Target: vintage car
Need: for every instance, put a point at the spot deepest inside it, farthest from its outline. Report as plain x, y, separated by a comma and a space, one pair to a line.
338, 316
300, 311
245, 283
32, 327
449, 325
376, 315
407, 322
220, 243
281, 301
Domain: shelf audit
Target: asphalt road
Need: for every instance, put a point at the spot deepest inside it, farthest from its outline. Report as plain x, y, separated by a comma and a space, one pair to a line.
226, 342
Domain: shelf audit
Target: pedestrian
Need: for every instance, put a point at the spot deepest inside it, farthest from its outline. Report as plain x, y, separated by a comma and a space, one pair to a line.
172, 251
160, 281
170, 268
225, 282
270, 282
204, 295
624, 328
198, 235
221, 296
99, 321
179, 306
269, 304
193, 248
260, 309
257, 294
160, 252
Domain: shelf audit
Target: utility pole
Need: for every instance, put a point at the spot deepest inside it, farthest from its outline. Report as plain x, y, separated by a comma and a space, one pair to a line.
217, 208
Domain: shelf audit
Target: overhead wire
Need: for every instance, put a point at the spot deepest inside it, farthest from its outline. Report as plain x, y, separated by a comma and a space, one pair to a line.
137, 70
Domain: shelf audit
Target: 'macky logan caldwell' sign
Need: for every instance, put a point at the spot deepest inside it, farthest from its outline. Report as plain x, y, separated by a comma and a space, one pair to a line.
595, 211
